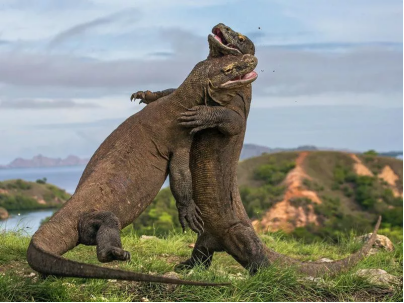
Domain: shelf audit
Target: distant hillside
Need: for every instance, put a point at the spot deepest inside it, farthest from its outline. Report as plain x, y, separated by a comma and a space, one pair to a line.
42, 161
310, 194
24, 195
395, 154
253, 150
248, 151
321, 192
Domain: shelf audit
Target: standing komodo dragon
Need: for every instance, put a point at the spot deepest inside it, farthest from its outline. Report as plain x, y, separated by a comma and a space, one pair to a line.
113, 191
214, 159
213, 162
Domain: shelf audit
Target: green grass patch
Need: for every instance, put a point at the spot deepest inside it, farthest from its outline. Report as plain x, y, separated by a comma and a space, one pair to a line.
158, 256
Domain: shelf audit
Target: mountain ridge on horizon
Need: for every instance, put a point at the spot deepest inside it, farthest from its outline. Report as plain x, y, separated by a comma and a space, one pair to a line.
43, 161
249, 150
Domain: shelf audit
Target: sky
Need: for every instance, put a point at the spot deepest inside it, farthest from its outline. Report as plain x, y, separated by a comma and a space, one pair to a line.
330, 72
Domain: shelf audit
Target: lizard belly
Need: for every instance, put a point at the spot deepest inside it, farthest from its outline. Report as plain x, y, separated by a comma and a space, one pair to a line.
213, 186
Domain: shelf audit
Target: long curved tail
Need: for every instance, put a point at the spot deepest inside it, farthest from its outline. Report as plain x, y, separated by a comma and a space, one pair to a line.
50, 264
323, 268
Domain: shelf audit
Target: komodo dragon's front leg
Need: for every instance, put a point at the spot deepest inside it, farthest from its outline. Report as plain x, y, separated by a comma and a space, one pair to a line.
226, 120
181, 188
148, 96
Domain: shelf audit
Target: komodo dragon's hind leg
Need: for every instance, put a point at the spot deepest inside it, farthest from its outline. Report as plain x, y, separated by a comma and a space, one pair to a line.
102, 228
202, 254
243, 244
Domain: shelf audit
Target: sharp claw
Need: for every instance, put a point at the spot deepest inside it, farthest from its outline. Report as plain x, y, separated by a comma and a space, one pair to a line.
199, 226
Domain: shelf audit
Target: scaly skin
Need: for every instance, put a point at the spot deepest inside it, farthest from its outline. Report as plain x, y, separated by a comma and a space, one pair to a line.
112, 191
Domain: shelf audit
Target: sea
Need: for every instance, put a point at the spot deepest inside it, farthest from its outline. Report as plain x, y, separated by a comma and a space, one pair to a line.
66, 178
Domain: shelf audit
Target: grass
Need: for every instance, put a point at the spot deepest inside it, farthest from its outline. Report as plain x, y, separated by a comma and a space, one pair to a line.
158, 256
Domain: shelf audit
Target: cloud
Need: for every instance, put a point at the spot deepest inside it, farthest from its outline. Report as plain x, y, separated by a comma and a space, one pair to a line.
81, 28
284, 72
46, 5
43, 104
367, 69
348, 21
161, 54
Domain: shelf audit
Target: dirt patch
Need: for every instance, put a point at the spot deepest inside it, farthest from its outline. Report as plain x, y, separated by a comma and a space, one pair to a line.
359, 168
390, 177
286, 216
16, 267
3, 191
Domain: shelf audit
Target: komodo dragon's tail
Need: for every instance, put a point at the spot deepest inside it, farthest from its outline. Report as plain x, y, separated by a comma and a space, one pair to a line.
50, 264
323, 268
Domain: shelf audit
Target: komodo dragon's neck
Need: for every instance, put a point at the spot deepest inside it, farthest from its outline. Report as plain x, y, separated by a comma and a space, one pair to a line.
193, 90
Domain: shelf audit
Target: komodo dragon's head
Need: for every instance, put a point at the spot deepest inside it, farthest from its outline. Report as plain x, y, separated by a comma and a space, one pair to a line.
225, 41
218, 79
229, 74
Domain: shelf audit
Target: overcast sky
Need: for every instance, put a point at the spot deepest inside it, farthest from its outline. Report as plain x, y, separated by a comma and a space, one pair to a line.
330, 72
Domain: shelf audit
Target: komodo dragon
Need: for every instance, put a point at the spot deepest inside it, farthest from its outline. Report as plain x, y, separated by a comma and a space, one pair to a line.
214, 159
112, 192
213, 164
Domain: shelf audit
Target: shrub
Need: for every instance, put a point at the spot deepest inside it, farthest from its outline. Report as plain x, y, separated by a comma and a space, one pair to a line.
41, 181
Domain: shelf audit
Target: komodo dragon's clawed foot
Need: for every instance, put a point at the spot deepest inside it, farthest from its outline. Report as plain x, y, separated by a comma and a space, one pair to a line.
191, 263
113, 253
199, 118
184, 266
139, 95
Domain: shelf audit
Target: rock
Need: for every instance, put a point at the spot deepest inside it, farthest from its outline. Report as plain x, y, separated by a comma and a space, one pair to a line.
318, 281
325, 260
381, 241
237, 276
378, 277
192, 245
144, 237
144, 299
312, 279
30, 275
3, 213
172, 275
372, 251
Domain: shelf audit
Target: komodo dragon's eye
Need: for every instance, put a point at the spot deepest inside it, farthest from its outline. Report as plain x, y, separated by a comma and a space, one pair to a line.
228, 69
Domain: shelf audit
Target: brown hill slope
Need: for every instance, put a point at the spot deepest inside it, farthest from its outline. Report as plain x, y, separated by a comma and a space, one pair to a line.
320, 189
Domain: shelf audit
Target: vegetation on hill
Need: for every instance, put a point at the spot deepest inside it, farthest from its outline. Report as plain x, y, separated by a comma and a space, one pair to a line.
25, 195
349, 201
18, 282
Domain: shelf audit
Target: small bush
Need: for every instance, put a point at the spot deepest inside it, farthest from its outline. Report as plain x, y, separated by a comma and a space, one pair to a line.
41, 181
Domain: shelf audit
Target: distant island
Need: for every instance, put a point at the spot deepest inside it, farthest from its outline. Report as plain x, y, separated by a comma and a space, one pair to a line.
248, 151
42, 161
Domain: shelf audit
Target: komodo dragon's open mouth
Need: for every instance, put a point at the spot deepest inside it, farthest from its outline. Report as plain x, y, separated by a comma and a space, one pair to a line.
218, 35
241, 80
